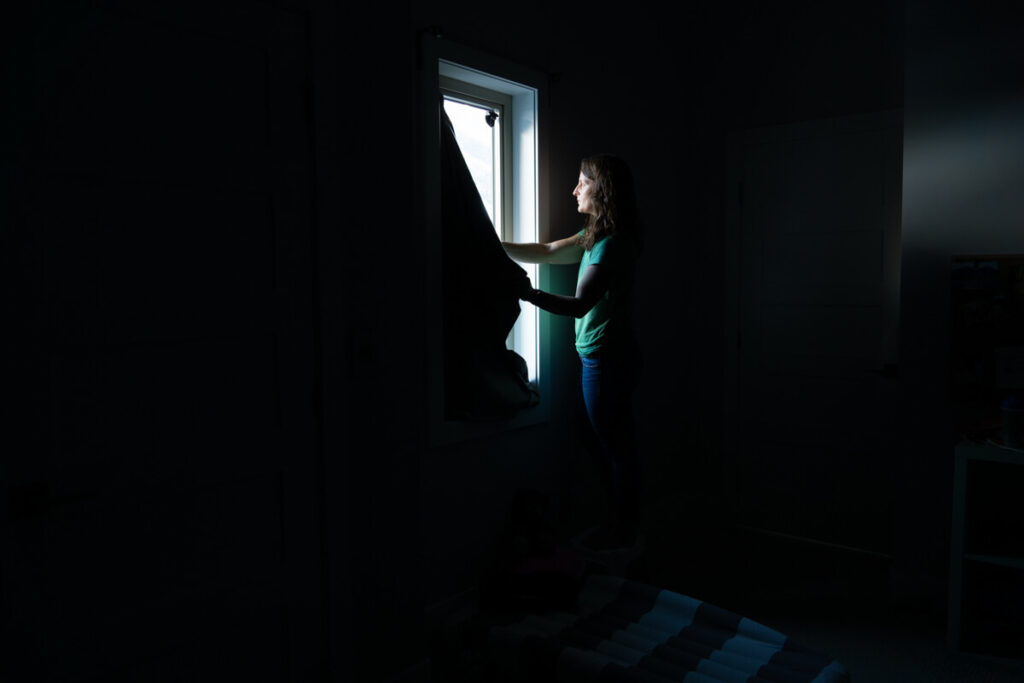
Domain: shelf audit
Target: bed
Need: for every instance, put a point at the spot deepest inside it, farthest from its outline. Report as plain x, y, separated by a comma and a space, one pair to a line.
623, 630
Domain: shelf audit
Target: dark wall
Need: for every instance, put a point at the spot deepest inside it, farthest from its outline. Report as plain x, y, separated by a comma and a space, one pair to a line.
162, 480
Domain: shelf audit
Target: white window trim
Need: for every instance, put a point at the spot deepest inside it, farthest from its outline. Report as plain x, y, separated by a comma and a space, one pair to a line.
529, 219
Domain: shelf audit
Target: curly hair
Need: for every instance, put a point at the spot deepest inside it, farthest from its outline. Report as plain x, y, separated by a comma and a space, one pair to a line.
614, 196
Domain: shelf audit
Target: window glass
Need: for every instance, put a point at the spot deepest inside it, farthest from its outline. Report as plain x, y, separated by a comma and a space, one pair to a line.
480, 143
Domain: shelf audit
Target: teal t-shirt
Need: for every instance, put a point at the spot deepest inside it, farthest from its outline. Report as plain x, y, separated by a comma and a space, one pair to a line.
609, 321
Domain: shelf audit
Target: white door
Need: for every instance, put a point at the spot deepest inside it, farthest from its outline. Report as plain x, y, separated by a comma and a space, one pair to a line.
814, 217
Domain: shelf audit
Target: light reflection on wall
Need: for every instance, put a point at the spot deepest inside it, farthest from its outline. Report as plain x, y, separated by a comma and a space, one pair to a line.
963, 177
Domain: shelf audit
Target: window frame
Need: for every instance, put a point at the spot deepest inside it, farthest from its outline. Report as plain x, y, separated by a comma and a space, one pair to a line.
441, 58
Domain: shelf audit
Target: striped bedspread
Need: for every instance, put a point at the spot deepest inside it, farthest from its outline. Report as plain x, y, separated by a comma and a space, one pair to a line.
628, 631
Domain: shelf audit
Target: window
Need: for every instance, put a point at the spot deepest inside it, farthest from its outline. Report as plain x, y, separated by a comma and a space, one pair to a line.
483, 137
507, 162
495, 126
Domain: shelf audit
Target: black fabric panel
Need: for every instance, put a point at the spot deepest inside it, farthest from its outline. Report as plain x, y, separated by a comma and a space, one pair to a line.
614, 673
793, 664
674, 667
769, 674
728, 621
685, 654
540, 655
539, 658
632, 603
483, 379
711, 628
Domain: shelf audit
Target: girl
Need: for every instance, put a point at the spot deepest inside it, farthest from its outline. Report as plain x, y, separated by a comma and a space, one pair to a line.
606, 249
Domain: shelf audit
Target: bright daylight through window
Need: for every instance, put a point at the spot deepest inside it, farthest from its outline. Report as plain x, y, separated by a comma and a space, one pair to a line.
478, 132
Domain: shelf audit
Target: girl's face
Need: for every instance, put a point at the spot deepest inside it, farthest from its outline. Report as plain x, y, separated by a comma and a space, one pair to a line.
584, 195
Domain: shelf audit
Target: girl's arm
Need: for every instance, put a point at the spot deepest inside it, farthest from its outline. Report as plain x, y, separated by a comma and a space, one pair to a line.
592, 287
560, 251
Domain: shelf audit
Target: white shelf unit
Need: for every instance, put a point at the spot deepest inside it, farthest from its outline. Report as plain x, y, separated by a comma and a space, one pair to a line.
963, 453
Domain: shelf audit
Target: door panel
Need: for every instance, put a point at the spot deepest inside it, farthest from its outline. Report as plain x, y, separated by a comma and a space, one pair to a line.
813, 231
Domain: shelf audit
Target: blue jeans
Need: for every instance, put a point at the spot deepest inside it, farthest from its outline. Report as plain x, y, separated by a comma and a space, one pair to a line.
609, 380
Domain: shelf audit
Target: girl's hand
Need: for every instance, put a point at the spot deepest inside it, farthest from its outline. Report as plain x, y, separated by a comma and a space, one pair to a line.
524, 288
